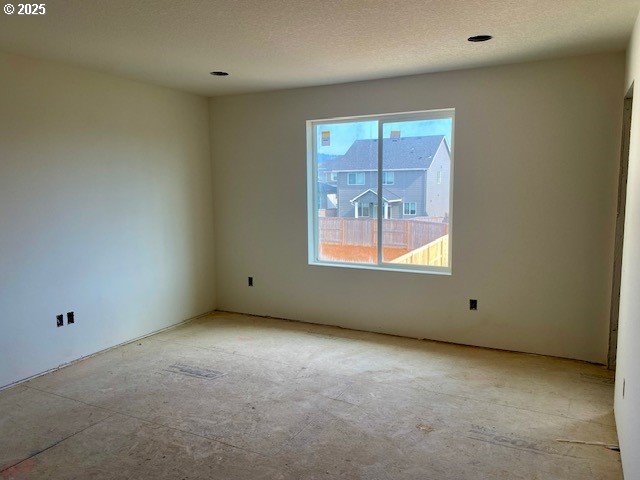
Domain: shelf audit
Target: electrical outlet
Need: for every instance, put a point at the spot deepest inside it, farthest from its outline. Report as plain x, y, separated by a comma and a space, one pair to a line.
70, 318
250, 281
59, 320
473, 304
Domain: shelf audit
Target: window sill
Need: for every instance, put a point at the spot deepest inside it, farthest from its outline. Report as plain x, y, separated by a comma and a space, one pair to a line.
363, 266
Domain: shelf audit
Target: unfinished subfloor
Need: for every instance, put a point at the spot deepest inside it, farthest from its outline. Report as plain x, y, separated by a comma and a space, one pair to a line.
237, 397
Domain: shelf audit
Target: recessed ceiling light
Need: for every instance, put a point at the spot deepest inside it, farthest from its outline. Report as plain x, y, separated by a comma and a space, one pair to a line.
220, 74
480, 38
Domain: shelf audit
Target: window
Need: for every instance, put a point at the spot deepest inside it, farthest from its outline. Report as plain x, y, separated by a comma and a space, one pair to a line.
409, 208
371, 221
355, 178
364, 210
334, 176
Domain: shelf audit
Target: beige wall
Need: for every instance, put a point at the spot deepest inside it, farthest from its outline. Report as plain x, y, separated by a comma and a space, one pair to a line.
628, 360
534, 208
105, 209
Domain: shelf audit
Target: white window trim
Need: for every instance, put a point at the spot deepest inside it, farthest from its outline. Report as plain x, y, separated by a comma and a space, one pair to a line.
364, 178
386, 170
312, 220
368, 209
415, 208
393, 175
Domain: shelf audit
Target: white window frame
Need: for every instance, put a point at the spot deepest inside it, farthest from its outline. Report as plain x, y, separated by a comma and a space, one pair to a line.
386, 174
357, 174
312, 185
334, 176
360, 210
415, 209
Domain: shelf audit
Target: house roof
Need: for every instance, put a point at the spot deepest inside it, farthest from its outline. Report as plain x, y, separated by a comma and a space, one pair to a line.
326, 188
328, 163
405, 153
387, 195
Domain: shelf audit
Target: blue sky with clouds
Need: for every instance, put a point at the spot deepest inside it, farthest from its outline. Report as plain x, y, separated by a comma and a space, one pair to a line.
344, 134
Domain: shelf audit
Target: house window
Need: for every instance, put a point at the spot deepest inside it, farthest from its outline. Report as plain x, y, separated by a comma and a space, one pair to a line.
371, 221
363, 210
410, 208
356, 178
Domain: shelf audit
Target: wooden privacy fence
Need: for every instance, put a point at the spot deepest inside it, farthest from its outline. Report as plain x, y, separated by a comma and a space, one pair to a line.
409, 234
434, 254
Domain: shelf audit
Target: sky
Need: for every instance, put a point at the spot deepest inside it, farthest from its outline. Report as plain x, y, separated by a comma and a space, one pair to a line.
343, 135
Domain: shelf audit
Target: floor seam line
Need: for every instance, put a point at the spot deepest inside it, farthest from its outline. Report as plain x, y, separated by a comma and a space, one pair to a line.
533, 451
567, 417
116, 412
57, 443
217, 440
73, 399
280, 450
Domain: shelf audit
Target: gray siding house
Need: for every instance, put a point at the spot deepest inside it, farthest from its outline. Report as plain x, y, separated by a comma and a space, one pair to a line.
327, 199
415, 178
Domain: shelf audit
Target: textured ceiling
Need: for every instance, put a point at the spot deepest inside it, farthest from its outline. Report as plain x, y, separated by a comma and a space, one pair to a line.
272, 44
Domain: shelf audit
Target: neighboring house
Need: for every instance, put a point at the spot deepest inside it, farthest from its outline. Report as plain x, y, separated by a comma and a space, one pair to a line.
325, 174
326, 166
415, 178
327, 200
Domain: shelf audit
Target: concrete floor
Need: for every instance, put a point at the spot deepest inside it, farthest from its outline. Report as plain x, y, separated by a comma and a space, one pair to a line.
237, 397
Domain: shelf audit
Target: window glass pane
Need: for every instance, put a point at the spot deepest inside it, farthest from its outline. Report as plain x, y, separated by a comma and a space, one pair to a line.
415, 230
346, 206
356, 179
409, 208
